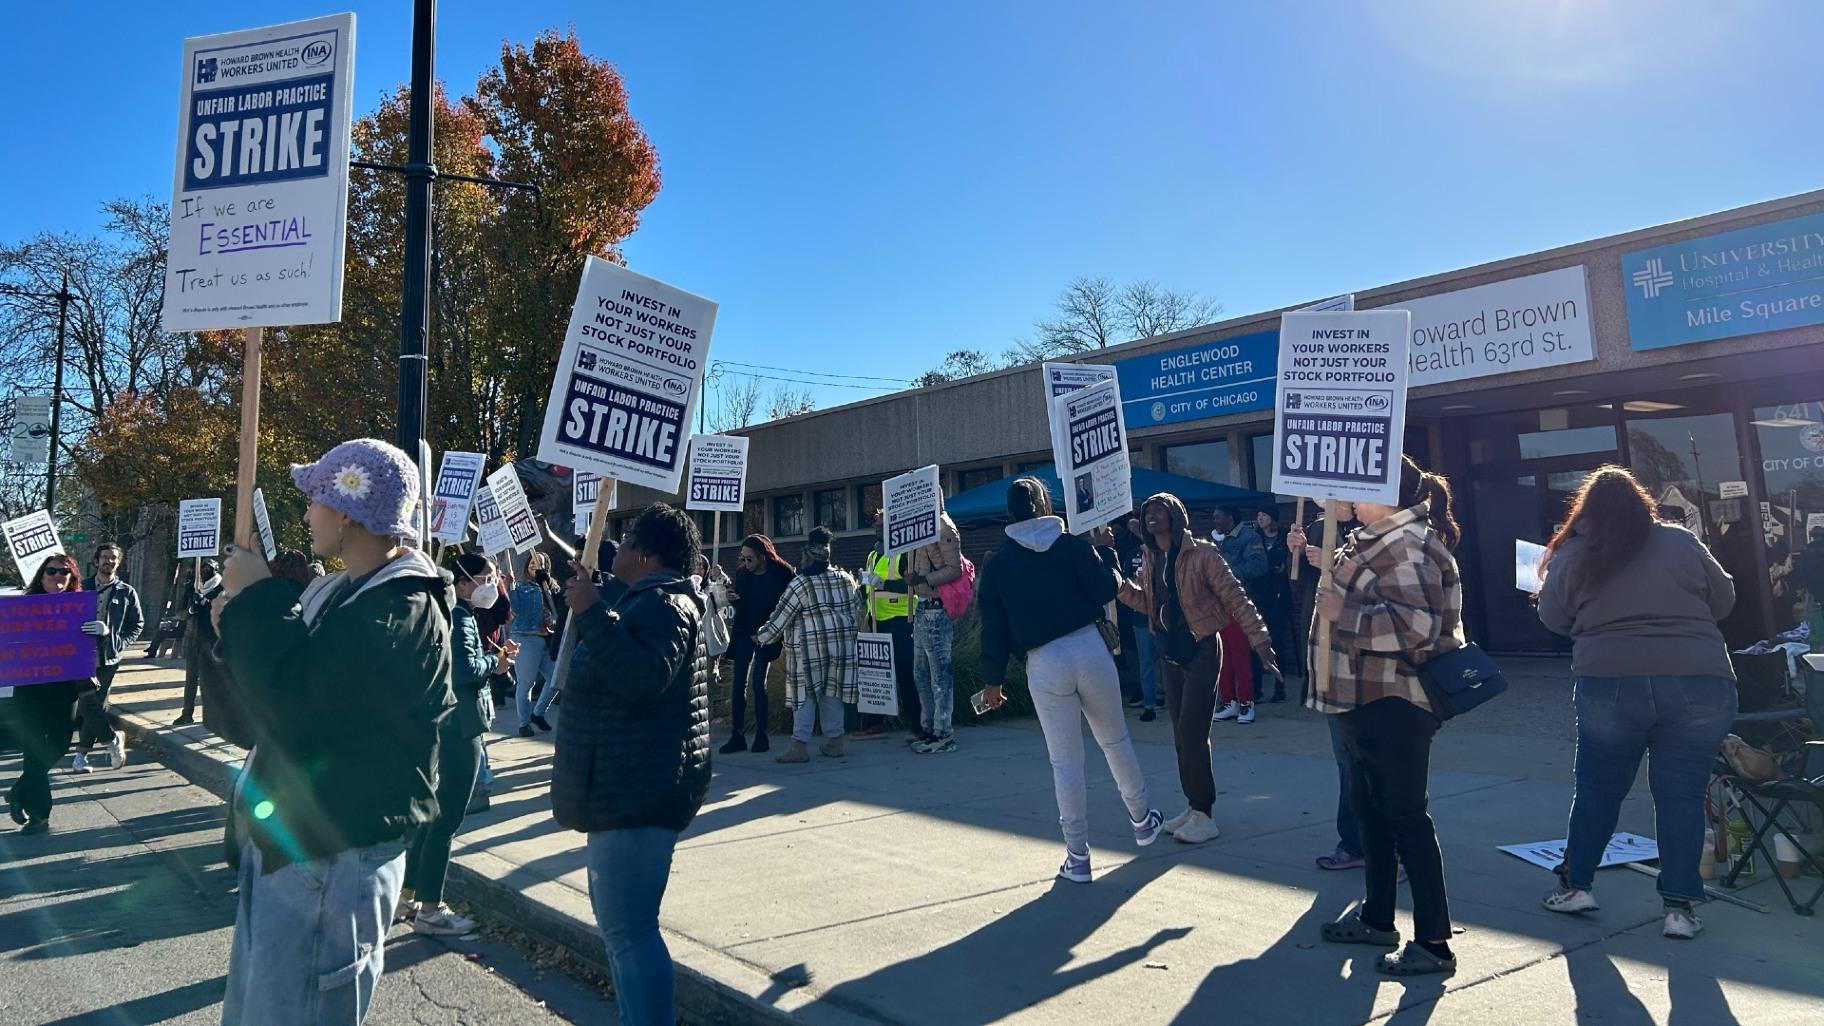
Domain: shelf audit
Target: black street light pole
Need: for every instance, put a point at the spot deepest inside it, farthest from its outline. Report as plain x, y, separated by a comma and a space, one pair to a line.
63, 298
420, 172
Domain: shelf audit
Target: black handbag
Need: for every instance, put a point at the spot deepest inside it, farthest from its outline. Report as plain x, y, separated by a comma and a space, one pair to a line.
1459, 680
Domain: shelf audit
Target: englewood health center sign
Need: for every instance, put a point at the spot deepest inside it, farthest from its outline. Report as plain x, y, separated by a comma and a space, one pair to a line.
1541, 320
1744, 282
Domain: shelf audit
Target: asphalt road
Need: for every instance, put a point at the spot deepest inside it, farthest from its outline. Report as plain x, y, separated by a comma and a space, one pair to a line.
123, 913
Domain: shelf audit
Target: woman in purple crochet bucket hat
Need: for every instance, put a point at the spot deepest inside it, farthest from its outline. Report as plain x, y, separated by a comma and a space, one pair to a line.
344, 682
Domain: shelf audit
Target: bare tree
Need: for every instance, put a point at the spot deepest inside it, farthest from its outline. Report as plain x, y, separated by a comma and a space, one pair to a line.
962, 363
1093, 314
739, 397
789, 402
1146, 310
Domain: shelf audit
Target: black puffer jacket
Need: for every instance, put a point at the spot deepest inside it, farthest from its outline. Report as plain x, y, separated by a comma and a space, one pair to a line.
633, 743
1041, 585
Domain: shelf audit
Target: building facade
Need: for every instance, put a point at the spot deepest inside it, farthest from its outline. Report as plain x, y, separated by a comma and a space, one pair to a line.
1692, 352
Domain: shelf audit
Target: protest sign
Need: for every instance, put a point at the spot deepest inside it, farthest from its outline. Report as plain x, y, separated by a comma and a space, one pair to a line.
1089, 447
199, 528
1068, 377
874, 679
41, 638
262, 520
515, 511
1526, 565
585, 490
1341, 407
31, 538
912, 505
718, 473
490, 527
31, 429
1622, 848
457, 480
629, 377
1813, 521
260, 195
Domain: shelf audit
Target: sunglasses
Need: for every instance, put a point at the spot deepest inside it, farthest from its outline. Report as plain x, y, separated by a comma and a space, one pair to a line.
56, 571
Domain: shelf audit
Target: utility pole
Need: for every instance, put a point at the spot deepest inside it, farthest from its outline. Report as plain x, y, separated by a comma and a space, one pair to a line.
420, 173
64, 298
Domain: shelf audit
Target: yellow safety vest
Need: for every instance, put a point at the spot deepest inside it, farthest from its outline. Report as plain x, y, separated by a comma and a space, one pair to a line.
887, 605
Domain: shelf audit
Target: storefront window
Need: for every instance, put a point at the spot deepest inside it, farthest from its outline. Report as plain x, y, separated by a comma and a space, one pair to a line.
1260, 462
1205, 461
1792, 467
830, 508
788, 516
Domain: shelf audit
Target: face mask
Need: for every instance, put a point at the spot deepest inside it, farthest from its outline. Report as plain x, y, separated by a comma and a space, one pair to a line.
485, 596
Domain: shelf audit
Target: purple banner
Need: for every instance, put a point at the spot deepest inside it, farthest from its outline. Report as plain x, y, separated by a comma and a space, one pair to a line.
41, 638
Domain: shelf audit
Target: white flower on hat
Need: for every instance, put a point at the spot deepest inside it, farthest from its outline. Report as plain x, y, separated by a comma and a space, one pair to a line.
354, 481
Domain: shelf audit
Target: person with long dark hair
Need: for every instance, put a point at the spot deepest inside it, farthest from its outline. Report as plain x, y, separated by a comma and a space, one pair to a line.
1640, 600
815, 619
1394, 601
761, 577
633, 763
1041, 597
46, 714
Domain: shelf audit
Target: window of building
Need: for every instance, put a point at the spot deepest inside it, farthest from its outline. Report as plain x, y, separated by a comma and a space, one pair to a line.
975, 477
706, 527
830, 508
1030, 466
867, 502
753, 517
788, 516
1205, 461
1260, 462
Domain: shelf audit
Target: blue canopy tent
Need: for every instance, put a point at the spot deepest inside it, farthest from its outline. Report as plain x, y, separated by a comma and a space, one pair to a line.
987, 504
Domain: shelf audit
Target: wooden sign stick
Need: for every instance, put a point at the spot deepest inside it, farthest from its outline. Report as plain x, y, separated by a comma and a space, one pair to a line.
248, 467
591, 555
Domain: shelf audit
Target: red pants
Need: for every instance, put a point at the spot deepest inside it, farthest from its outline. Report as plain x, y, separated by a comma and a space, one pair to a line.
1235, 683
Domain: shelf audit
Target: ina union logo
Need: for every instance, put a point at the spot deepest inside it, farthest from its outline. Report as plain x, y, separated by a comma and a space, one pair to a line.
316, 52
1653, 278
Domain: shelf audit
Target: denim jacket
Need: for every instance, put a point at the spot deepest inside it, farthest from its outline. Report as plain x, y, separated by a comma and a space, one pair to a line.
528, 602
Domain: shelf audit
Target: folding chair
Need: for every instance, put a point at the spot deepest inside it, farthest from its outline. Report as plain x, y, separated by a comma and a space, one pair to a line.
1765, 802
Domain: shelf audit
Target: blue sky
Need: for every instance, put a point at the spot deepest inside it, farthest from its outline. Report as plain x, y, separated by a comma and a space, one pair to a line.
864, 187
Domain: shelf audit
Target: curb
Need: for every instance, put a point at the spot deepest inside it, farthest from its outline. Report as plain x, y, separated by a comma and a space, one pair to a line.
211, 764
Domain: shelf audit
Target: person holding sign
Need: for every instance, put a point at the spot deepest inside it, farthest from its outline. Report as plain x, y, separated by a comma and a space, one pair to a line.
1641, 602
1395, 600
45, 714
633, 763
535, 631
345, 683
1190, 597
932, 567
816, 620
1041, 597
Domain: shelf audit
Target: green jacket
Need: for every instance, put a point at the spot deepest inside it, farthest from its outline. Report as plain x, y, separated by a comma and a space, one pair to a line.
345, 685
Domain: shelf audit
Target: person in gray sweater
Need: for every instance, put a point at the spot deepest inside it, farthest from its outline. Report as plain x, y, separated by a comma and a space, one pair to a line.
1640, 600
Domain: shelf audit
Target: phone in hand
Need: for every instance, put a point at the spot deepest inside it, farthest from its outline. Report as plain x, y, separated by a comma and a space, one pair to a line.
979, 702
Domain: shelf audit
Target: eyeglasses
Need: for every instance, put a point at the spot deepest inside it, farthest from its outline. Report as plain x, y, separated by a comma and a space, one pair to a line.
57, 571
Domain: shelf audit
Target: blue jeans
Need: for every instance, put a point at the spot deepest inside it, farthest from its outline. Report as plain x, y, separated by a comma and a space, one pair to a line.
310, 937
932, 633
1348, 835
1680, 722
537, 655
628, 870
1147, 655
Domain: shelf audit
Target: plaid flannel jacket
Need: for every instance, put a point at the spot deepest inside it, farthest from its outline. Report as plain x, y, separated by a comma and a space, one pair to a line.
816, 617
1402, 595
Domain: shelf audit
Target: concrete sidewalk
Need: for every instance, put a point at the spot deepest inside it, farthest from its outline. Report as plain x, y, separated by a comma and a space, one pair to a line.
889, 887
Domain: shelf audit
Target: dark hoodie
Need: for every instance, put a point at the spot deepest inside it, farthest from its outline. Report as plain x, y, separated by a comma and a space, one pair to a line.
344, 683
1041, 585
1208, 592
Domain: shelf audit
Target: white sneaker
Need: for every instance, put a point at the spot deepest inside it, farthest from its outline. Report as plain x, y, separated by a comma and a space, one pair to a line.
1196, 830
80, 764
1682, 924
1171, 825
405, 911
1247, 713
117, 749
1569, 900
442, 921
1227, 712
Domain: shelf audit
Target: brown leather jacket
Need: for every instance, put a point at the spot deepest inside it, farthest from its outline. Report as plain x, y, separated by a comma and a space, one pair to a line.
1207, 590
